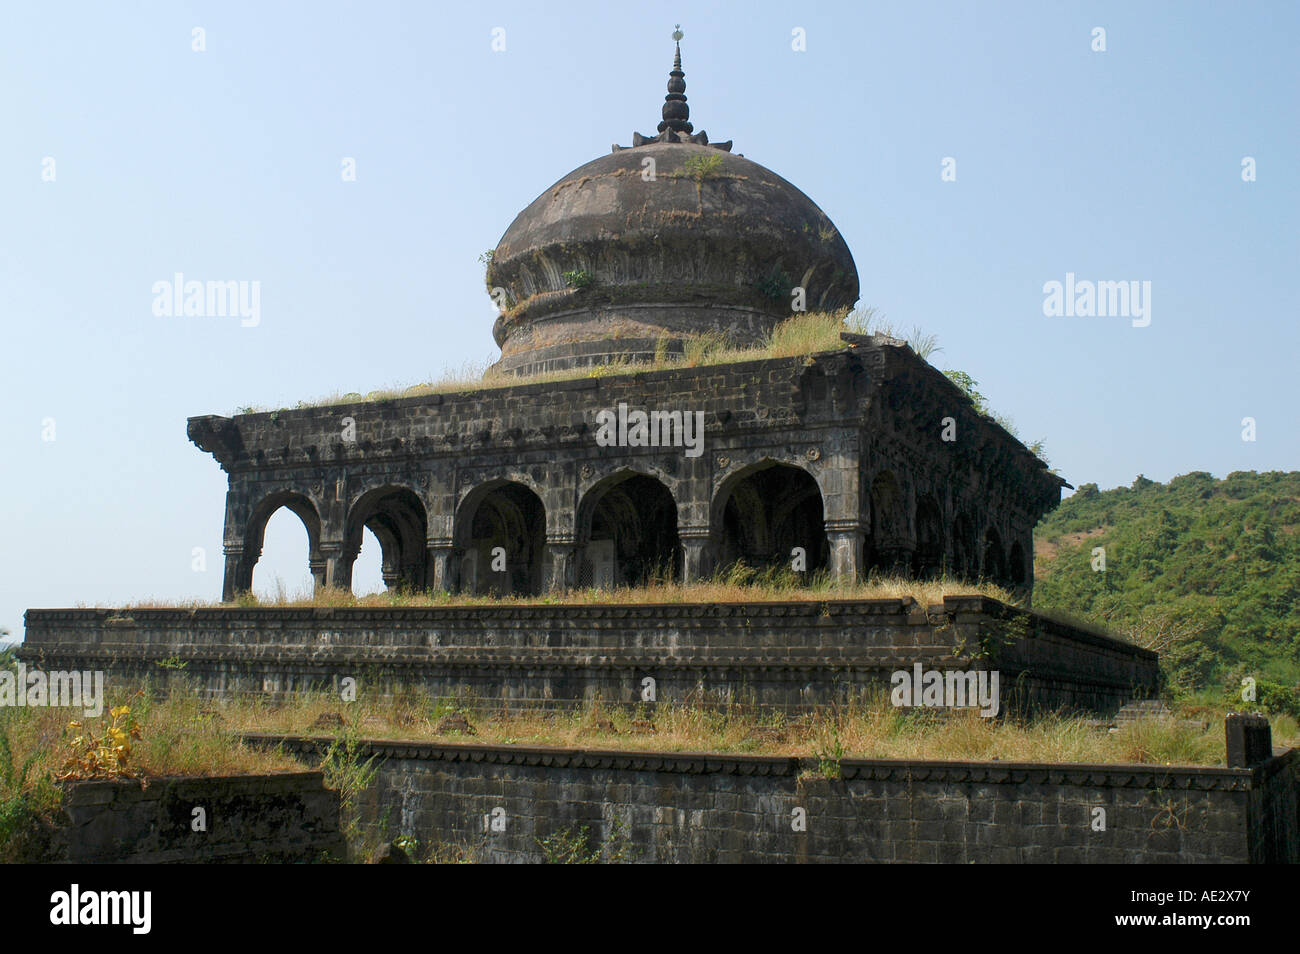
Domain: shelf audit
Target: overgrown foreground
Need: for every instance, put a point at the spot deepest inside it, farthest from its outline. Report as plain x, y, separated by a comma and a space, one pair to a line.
181, 734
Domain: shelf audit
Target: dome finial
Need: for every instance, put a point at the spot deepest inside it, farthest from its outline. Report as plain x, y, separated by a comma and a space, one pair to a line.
676, 113
676, 126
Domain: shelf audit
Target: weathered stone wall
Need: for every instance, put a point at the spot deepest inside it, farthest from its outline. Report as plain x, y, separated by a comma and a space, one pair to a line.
1275, 811
415, 470
251, 819
790, 654
700, 808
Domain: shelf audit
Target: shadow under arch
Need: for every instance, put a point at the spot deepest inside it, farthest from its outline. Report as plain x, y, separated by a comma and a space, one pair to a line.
889, 550
627, 532
1018, 570
995, 561
397, 517
965, 556
500, 530
928, 562
762, 512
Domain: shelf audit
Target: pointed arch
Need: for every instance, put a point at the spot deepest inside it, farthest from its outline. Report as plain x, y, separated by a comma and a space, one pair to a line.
627, 529
500, 529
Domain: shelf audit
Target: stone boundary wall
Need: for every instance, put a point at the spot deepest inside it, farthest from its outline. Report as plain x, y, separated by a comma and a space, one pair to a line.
789, 654
1275, 811
253, 819
703, 808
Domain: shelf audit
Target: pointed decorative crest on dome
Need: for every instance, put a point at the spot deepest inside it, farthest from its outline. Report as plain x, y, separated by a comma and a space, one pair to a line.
676, 113
676, 125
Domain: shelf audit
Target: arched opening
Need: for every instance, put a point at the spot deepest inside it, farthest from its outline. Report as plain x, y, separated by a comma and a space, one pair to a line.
501, 531
288, 568
965, 558
889, 537
928, 561
1018, 570
283, 571
995, 563
628, 523
368, 566
397, 519
766, 512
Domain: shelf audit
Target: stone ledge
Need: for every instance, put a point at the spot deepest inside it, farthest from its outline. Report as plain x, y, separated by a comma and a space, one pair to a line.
975, 608
1119, 775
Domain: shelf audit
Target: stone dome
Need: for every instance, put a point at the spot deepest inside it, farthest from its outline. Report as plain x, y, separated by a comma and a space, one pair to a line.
668, 239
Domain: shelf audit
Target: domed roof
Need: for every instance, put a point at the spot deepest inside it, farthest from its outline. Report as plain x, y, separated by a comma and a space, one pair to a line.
670, 238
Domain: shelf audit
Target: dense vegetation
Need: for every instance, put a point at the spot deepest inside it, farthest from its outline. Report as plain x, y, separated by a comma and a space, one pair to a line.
1205, 571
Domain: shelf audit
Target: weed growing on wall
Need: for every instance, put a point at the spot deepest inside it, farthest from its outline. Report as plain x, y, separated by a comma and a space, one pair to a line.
346, 773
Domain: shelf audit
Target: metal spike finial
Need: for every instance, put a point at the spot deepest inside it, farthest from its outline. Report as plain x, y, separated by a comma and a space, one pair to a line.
675, 112
676, 126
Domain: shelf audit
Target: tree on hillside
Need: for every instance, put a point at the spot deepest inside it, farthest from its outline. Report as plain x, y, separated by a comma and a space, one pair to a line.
1204, 571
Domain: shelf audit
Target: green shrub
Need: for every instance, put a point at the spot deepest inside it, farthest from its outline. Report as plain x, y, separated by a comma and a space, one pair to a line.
579, 278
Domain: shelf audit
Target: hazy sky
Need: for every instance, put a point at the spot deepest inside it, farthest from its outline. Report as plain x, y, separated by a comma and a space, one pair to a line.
225, 164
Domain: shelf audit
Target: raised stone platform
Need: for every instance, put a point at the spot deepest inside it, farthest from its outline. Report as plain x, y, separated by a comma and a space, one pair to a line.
786, 654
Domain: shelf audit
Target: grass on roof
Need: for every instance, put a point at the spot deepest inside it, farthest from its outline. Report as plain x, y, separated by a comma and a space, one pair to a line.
803, 334
737, 584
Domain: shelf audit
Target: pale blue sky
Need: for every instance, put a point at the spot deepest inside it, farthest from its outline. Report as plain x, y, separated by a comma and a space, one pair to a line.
225, 164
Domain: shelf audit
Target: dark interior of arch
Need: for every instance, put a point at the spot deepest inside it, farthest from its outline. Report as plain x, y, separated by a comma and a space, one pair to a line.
1017, 571
995, 562
965, 556
510, 517
768, 514
888, 526
928, 561
633, 535
397, 520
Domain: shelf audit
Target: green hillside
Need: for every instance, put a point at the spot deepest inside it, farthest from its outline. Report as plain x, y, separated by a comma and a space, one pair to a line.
1205, 571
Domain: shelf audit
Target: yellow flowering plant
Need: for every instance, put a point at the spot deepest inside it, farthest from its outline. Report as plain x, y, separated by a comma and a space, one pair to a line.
102, 754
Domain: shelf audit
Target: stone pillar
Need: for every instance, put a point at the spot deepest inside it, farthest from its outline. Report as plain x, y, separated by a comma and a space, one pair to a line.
338, 571
561, 563
231, 583
844, 538
442, 564
318, 569
697, 553
1249, 740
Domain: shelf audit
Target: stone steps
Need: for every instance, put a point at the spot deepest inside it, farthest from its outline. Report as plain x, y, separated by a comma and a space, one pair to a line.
1141, 709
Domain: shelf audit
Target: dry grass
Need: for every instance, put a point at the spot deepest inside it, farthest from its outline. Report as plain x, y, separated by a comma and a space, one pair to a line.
802, 334
739, 585
182, 735
179, 737
871, 728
